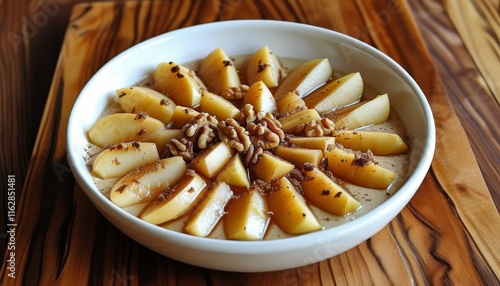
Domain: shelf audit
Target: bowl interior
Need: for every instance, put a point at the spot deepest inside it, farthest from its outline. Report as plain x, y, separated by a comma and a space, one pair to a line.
286, 39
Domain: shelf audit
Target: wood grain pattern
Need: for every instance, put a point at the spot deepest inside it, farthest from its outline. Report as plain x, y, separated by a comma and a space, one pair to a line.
448, 234
478, 24
473, 101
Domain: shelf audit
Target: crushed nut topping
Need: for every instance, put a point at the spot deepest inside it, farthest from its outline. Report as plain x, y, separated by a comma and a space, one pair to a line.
363, 159
315, 128
233, 134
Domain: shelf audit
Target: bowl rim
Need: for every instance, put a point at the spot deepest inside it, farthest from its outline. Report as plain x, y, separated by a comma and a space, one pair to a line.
401, 196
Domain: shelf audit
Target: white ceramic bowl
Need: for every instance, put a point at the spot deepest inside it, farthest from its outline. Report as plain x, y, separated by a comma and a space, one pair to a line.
245, 37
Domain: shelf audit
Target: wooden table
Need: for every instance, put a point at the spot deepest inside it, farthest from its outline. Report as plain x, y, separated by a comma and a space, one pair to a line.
448, 234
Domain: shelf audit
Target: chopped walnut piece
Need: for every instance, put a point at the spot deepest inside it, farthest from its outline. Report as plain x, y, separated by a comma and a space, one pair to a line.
273, 124
233, 134
181, 147
266, 131
261, 136
253, 155
235, 92
247, 114
201, 130
315, 128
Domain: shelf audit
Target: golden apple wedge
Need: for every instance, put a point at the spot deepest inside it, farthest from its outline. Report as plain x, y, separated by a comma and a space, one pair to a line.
218, 72
174, 202
161, 137
260, 97
320, 143
212, 160
357, 169
179, 83
379, 143
305, 78
289, 209
299, 156
182, 115
288, 123
155, 104
336, 93
210, 210
270, 167
234, 173
119, 159
264, 66
372, 112
324, 193
290, 103
218, 106
143, 184
246, 217
123, 127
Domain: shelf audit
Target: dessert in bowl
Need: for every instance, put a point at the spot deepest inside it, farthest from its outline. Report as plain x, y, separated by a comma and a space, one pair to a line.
278, 247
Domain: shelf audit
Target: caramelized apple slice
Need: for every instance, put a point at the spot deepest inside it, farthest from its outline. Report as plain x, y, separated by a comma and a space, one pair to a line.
182, 115
218, 106
119, 159
137, 99
320, 143
146, 182
373, 112
161, 137
264, 66
210, 210
175, 202
246, 217
289, 209
210, 161
291, 121
290, 103
305, 78
324, 193
337, 93
179, 83
299, 156
358, 168
123, 127
217, 70
270, 167
234, 173
380, 143
260, 97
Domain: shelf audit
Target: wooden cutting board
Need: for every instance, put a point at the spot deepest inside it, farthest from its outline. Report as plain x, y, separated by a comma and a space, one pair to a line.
448, 233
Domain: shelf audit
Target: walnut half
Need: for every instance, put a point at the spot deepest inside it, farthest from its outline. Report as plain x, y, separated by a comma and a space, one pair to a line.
201, 130
315, 128
266, 134
181, 147
233, 134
